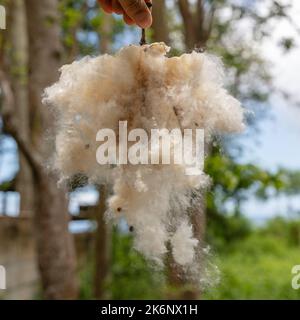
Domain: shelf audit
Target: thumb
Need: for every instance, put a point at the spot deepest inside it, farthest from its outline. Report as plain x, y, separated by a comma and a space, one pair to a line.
138, 11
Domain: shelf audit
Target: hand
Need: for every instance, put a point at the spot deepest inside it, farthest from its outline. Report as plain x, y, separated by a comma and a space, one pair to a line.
133, 11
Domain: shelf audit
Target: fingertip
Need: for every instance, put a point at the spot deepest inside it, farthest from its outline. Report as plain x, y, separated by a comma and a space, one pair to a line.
117, 8
128, 20
106, 5
144, 19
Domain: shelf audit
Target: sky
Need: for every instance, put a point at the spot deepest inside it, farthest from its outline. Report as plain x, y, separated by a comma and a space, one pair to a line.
280, 134
277, 143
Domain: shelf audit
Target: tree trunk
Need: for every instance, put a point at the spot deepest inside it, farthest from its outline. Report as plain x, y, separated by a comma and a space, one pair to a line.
18, 73
188, 23
55, 245
160, 22
197, 23
106, 33
102, 246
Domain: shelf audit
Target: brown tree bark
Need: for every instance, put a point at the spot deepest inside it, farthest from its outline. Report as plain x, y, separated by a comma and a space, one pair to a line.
197, 23
55, 245
106, 33
18, 59
102, 246
160, 22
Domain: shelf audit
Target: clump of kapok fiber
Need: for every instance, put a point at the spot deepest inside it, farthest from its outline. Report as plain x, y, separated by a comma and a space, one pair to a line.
142, 86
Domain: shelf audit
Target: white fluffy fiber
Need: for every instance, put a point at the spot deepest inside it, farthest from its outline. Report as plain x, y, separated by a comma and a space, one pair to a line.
149, 90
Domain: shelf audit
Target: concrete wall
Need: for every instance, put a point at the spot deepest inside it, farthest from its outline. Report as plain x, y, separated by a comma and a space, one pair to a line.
17, 255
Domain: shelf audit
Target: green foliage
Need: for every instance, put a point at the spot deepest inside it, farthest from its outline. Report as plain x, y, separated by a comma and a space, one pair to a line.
259, 267
6, 186
242, 181
234, 183
132, 278
288, 230
86, 278
292, 182
223, 231
83, 25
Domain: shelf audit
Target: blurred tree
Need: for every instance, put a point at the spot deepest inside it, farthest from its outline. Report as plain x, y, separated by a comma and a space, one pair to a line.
102, 246
160, 26
197, 22
26, 120
17, 54
55, 245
